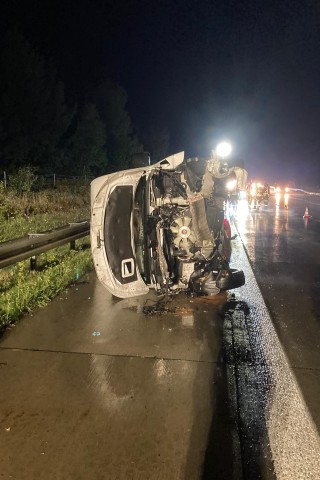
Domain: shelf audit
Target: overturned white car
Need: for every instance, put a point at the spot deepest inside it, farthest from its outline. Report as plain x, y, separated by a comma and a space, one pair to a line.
162, 226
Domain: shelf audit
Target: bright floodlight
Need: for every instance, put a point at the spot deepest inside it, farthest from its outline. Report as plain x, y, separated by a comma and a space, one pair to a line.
223, 149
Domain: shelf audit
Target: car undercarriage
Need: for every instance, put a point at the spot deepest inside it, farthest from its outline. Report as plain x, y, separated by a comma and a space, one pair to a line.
184, 239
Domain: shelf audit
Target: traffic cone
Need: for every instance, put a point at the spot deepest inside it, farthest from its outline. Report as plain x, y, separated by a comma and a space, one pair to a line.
306, 213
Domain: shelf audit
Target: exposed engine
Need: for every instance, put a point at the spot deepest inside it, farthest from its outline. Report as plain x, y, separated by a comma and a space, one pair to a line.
183, 237
184, 246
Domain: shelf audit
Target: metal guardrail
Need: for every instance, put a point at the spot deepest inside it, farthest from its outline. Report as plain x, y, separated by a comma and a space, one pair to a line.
33, 244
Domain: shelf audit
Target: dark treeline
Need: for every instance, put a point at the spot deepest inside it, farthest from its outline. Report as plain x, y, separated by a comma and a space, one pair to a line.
39, 127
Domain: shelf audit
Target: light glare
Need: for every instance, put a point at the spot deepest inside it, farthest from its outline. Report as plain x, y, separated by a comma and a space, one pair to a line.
224, 149
231, 185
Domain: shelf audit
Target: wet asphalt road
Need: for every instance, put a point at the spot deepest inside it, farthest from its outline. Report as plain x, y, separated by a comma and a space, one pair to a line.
91, 388
284, 250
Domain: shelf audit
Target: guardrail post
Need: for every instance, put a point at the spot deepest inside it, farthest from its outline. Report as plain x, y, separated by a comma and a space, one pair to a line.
72, 245
33, 263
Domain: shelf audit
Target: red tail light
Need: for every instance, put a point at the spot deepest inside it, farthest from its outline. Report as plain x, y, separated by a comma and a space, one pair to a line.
227, 228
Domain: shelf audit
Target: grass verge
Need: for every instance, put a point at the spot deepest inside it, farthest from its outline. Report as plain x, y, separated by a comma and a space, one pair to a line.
36, 289
20, 226
22, 290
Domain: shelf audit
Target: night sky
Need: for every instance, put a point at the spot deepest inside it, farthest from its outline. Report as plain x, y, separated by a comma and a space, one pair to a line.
248, 71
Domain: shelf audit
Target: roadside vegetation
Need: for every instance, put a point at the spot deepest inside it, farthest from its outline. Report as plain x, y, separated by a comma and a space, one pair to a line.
38, 212
47, 131
24, 211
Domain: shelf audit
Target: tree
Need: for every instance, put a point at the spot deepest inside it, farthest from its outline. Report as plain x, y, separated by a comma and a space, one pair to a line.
111, 100
87, 144
33, 112
23, 180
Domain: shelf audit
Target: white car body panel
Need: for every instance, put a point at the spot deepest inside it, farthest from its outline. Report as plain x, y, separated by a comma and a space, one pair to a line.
101, 189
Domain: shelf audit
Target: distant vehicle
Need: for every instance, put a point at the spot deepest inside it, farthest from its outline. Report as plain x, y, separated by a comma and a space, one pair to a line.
258, 194
281, 189
281, 194
162, 226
